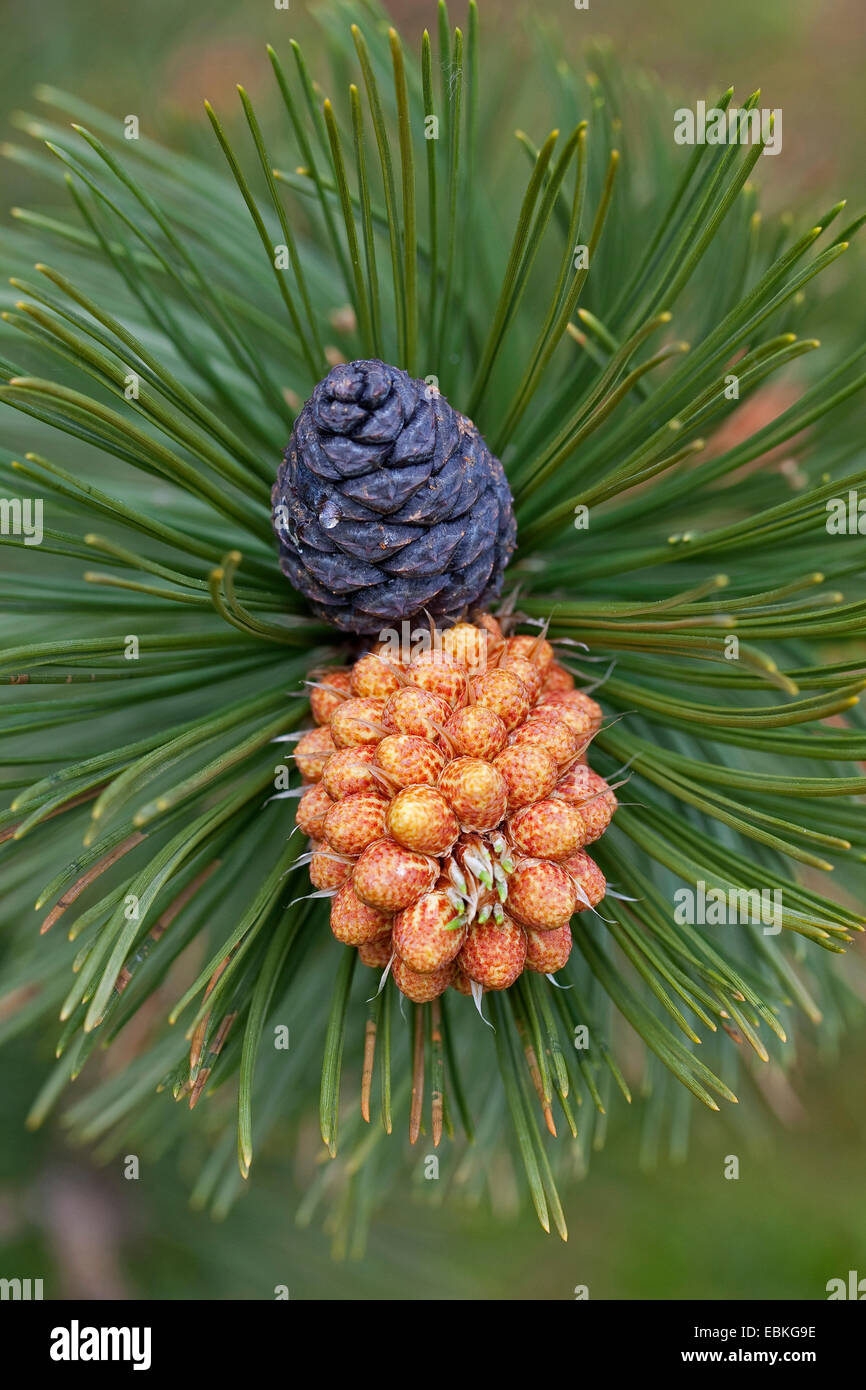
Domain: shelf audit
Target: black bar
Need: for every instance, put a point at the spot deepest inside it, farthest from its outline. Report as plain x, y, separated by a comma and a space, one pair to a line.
200, 1338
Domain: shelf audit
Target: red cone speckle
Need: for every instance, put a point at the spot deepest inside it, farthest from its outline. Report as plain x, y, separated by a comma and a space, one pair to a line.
355, 822
589, 879
376, 953
413, 711
557, 680
592, 795
494, 955
535, 649
420, 818
423, 936
311, 753
548, 731
530, 773
448, 804
526, 672
421, 988
547, 830
313, 807
541, 894
326, 869
391, 877
357, 720
334, 686
409, 761
439, 673
548, 951
374, 677
475, 732
476, 792
348, 771
355, 923
505, 694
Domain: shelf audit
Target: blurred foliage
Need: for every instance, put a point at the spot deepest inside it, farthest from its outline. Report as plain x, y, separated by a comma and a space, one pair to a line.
794, 1219
162, 59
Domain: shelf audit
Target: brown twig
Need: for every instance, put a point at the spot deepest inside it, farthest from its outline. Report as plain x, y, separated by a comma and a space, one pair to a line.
367, 1073
92, 874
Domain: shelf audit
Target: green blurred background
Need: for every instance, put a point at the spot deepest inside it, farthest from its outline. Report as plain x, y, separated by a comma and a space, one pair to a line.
796, 1217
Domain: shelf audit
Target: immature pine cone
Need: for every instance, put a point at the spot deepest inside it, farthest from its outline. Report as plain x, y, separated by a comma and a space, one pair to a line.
388, 502
448, 803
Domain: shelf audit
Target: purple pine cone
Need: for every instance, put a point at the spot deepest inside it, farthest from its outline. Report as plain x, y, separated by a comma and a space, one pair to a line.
389, 502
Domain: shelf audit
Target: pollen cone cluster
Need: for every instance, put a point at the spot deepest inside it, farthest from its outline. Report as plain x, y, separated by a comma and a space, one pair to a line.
449, 805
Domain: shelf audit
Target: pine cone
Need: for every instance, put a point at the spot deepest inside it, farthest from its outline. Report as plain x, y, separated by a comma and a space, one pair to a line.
388, 502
